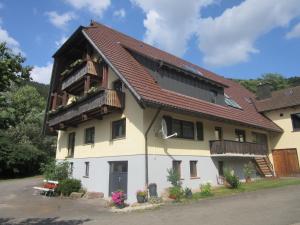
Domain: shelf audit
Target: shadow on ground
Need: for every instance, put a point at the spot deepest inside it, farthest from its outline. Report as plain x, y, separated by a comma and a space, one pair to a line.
42, 221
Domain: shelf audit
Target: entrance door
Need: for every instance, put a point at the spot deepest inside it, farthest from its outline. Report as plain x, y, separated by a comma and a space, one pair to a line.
118, 173
285, 162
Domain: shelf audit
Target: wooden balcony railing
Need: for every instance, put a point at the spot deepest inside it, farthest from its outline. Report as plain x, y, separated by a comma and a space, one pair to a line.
234, 147
90, 106
87, 67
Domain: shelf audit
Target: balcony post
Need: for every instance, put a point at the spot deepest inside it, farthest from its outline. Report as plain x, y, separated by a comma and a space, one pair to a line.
87, 84
65, 98
54, 101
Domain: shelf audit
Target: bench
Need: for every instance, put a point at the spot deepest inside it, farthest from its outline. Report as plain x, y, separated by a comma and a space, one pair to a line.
47, 189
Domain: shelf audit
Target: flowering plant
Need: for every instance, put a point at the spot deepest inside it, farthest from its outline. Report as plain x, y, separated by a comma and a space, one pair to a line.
118, 199
141, 193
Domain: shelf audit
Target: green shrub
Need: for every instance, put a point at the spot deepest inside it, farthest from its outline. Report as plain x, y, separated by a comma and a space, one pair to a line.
248, 169
188, 193
56, 171
231, 178
206, 189
176, 193
174, 178
66, 187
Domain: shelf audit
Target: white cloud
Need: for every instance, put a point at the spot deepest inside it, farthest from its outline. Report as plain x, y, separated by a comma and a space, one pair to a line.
230, 38
60, 20
96, 7
224, 40
10, 41
42, 74
121, 13
170, 25
294, 33
61, 41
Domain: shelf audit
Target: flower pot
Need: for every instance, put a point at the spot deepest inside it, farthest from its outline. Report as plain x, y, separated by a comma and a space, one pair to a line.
140, 199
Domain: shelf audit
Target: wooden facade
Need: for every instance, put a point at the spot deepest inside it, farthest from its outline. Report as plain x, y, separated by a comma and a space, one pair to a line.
234, 147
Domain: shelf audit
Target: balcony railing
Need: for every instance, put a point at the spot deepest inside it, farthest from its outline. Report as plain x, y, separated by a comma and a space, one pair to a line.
219, 147
91, 106
88, 67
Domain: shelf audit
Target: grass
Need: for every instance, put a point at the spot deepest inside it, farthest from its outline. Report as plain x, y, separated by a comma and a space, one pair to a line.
248, 187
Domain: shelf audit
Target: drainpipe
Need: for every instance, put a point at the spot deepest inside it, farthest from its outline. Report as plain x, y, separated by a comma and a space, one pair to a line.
146, 147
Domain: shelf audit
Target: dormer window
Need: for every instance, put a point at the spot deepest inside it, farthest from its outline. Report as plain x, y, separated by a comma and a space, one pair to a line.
213, 96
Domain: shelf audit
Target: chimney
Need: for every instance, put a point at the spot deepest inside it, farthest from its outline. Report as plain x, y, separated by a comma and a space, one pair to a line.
263, 91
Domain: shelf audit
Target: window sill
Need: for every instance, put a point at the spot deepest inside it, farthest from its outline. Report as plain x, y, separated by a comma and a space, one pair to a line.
194, 178
296, 130
85, 176
118, 139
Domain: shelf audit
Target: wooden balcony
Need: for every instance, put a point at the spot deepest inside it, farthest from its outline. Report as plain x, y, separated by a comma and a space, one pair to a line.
88, 107
75, 78
222, 147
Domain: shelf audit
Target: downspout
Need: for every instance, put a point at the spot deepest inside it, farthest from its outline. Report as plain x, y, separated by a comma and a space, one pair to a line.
146, 147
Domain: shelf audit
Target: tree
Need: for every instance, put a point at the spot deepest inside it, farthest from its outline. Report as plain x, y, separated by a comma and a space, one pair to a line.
11, 68
277, 81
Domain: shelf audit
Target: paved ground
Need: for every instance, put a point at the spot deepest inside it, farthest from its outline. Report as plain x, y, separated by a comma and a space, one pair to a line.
280, 206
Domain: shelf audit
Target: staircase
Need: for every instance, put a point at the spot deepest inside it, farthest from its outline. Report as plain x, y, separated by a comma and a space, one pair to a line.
265, 166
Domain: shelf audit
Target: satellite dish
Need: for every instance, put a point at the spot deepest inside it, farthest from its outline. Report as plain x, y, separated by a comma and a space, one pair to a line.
164, 130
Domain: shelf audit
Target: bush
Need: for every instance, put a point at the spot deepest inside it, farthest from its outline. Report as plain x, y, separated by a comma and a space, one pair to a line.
206, 189
174, 178
118, 199
188, 193
231, 179
66, 187
56, 171
176, 193
248, 169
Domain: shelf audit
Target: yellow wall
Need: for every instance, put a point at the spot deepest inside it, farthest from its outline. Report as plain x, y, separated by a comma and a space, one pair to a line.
289, 139
178, 146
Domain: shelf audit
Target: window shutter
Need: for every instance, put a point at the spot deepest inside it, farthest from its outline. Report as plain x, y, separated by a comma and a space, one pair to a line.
200, 135
168, 120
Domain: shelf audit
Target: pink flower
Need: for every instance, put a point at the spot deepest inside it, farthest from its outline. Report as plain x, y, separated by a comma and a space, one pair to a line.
118, 197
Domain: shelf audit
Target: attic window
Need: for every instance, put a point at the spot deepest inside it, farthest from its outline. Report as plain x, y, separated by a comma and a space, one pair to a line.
230, 102
192, 70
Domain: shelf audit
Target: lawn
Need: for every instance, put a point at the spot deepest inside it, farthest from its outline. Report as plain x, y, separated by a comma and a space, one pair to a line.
247, 187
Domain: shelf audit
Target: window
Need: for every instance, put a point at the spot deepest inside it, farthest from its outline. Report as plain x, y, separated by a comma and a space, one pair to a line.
218, 133
200, 133
117, 85
221, 168
119, 128
89, 135
87, 169
213, 96
296, 121
240, 135
71, 144
260, 138
176, 167
193, 168
184, 129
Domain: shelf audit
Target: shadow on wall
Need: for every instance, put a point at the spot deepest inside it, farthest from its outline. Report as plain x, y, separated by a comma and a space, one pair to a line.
41, 221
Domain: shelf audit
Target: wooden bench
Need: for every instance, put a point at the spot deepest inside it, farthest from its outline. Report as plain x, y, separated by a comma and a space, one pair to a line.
47, 191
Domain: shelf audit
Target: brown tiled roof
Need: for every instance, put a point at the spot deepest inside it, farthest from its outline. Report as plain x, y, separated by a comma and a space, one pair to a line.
113, 45
280, 99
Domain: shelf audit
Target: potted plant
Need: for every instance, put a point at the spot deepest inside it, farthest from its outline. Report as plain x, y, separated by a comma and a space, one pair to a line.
141, 196
248, 171
118, 199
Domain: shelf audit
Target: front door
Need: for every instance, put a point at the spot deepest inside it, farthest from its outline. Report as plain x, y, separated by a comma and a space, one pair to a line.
118, 174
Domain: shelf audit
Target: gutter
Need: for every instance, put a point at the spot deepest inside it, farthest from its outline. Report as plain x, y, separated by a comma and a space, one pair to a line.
146, 147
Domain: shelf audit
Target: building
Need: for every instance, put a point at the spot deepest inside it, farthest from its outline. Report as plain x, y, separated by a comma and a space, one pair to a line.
283, 108
110, 97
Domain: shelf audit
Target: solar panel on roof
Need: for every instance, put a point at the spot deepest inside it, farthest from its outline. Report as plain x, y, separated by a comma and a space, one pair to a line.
192, 69
230, 102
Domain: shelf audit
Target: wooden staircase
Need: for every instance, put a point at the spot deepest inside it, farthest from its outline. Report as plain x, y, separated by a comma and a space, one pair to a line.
264, 166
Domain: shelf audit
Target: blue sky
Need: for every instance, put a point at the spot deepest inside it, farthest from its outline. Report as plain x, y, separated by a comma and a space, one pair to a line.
237, 39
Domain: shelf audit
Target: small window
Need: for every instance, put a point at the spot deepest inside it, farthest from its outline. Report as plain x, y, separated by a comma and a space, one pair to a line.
200, 133
218, 133
117, 85
240, 135
193, 168
296, 121
213, 96
184, 129
89, 135
177, 167
87, 169
119, 128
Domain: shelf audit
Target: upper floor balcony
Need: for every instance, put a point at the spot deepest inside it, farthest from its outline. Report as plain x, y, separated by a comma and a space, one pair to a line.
228, 147
89, 106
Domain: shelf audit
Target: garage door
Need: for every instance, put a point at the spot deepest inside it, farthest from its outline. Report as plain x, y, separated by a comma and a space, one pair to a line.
285, 162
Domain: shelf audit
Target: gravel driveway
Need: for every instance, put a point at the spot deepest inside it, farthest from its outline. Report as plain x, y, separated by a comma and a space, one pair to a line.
279, 206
